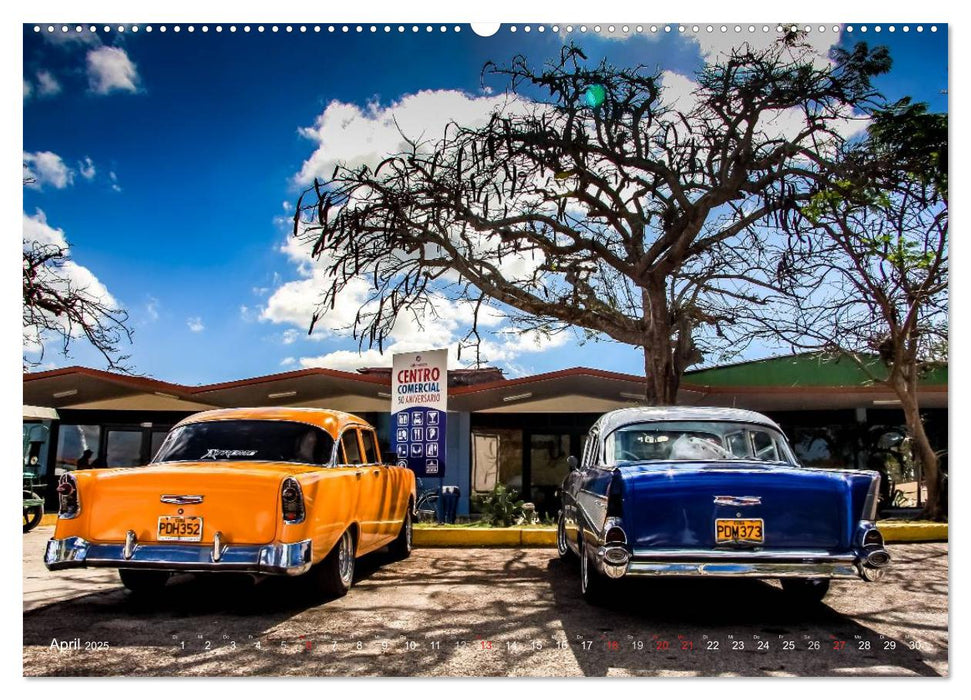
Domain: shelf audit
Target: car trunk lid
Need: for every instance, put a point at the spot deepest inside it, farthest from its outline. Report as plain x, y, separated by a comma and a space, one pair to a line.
239, 500
676, 505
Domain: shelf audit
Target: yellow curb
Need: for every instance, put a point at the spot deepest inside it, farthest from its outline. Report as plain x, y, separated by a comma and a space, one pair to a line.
539, 538
913, 532
48, 519
482, 537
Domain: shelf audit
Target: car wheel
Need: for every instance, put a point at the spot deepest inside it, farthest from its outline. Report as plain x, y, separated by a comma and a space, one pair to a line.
139, 581
562, 545
594, 586
333, 576
402, 545
806, 591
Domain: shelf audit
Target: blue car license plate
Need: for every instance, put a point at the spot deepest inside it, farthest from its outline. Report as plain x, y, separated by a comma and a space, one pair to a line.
739, 530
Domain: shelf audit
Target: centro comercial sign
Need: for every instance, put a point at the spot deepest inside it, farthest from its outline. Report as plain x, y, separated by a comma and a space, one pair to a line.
419, 401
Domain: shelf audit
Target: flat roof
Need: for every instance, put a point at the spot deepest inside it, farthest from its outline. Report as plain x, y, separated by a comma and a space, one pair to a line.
574, 389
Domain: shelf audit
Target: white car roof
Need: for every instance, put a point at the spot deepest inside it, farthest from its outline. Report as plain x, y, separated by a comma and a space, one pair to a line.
609, 422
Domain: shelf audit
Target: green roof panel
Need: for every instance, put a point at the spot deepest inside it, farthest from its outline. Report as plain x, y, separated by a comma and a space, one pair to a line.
808, 369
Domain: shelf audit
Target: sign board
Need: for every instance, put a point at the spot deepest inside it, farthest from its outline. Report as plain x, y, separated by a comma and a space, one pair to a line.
419, 400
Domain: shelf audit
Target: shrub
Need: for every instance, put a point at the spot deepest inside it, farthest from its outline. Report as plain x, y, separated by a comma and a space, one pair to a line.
500, 508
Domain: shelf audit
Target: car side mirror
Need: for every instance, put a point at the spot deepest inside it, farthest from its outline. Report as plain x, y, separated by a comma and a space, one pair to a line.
572, 462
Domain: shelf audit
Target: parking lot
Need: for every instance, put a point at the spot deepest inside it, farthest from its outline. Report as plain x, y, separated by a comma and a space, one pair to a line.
483, 612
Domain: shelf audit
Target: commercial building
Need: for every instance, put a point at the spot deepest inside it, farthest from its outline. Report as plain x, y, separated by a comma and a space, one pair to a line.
517, 432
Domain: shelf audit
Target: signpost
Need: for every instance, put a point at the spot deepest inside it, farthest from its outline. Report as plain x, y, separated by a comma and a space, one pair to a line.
419, 400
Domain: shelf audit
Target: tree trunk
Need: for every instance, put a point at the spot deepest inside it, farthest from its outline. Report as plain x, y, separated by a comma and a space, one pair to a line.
662, 382
934, 508
660, 373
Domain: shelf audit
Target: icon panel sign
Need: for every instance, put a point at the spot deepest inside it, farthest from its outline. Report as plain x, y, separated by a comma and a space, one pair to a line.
422, 443
419, 388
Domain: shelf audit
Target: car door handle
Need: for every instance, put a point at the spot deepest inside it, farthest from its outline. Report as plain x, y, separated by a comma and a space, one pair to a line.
358, 474
376, 472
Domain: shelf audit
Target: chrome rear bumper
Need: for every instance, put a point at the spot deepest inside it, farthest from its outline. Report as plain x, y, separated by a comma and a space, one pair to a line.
287, 559
732, 564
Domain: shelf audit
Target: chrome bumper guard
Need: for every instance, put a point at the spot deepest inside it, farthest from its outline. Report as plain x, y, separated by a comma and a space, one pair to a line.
287, 559
732, 564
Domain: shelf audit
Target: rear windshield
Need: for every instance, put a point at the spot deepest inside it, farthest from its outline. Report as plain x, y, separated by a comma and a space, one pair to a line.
247, 441
672, 441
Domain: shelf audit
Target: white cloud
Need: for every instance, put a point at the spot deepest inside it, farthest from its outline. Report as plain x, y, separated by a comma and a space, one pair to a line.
290, 336
114, 181
47, 168
36, 230
72, 38
288, 361
444, 323
47, 85
151, 309
110, 70
346, 133
249, 313
716, 46
28, 89
87, 169
348, 360
195, 324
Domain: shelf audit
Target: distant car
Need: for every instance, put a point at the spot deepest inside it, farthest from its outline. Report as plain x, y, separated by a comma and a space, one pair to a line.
263, 491
713, 492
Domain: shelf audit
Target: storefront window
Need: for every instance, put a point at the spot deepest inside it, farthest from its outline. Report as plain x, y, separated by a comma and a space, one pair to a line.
124, 448
77, 447
509, 461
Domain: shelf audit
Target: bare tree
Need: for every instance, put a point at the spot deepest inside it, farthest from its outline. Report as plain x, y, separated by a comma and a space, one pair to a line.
868, 269
593, 199
57, 308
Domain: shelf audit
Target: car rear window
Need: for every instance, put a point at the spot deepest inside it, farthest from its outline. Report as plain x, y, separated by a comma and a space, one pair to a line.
682, 441
247, 441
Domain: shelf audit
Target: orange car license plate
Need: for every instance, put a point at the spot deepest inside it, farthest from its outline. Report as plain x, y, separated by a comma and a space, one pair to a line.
179, 528
736, 530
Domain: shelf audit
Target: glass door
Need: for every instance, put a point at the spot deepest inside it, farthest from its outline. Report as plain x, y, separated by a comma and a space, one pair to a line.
548, 468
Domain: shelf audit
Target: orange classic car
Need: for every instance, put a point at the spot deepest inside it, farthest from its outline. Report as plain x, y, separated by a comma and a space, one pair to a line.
294, 491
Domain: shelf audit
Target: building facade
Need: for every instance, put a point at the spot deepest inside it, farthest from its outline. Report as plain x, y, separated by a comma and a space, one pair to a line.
517, 432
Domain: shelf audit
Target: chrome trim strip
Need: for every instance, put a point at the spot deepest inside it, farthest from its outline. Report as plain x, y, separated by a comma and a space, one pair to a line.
181, 500
801, 555
738, 501
286, 559
750, 569
809, 563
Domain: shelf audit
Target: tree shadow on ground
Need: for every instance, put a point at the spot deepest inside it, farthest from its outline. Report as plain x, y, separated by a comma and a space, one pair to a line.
462, 613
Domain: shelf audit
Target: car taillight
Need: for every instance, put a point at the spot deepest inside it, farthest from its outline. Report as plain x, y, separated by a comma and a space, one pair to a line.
291, 498
68, 502
615, 535
873, 538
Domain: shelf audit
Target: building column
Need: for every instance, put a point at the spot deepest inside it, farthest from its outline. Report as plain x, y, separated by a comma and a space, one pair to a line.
458, 469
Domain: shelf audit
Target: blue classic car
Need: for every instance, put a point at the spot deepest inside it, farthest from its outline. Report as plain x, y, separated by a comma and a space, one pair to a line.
688, 491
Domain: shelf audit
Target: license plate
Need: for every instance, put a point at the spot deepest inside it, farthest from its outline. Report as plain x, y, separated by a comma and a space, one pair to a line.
736, 530
179, 528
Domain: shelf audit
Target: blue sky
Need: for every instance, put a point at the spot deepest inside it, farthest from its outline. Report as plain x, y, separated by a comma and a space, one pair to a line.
166, 161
